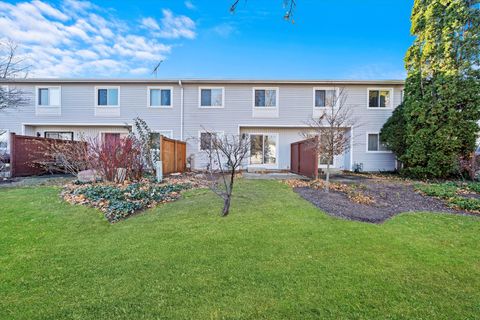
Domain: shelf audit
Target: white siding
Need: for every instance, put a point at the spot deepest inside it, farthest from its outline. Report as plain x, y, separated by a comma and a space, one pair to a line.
295, 109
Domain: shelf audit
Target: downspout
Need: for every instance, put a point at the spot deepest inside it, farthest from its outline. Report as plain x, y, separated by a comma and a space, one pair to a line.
181, 109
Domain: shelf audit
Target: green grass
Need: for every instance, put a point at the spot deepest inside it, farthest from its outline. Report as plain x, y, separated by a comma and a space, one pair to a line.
275, 257
448, 191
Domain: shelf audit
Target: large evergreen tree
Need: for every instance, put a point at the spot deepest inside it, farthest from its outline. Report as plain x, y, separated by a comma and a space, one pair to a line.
442, 90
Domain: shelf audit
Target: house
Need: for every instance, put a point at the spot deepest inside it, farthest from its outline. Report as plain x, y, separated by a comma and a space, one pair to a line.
273, 112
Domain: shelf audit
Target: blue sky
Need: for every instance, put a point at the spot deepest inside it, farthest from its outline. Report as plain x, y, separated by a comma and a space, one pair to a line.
348, 39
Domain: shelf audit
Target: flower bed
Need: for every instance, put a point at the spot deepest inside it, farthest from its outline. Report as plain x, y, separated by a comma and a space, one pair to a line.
119, 201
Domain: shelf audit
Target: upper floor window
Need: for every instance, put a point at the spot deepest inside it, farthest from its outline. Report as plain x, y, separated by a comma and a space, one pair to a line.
265, 98
108, 97
48, 96
381, 98
211, 97
325, 97
374, 144
160, 97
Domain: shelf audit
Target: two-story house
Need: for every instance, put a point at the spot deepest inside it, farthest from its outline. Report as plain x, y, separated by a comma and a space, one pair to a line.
273, 112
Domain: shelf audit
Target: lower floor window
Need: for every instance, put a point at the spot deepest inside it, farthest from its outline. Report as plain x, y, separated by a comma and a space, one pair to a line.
263, 149
3, 139
206, 139
374, 143
59, 135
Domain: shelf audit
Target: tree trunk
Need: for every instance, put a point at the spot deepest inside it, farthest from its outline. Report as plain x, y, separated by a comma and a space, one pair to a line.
226, 206
327, 178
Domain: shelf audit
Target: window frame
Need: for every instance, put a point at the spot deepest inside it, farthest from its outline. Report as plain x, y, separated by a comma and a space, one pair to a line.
7, 134
97, 88
315, 89
210, 88
375, 151
389, 107
58, 132
277, 141
149, 88
277, 98
220, 133
37, 96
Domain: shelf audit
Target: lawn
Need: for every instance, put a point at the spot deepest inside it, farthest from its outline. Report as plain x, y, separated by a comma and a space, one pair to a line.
275, 257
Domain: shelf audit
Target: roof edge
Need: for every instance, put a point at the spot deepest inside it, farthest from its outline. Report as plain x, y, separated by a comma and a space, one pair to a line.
193, 81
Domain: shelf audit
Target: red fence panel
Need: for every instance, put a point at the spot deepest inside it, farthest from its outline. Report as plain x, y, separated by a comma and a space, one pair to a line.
304, 158
26, 153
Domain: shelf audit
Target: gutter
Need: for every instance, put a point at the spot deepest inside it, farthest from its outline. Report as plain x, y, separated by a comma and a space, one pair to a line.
181, 108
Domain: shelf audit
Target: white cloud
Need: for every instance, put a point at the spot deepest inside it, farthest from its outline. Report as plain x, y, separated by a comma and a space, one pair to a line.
150, 23
174, 27
78, 38
224, 29
190, 5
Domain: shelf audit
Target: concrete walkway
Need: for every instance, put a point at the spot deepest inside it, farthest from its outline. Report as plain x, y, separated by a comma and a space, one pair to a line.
273, 176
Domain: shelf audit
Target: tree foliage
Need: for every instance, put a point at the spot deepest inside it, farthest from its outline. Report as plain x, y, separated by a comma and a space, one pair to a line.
442, 90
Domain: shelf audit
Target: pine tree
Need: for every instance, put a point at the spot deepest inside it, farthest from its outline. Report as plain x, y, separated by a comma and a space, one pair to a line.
442, 90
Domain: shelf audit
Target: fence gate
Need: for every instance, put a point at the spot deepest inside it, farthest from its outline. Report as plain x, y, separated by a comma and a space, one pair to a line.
173, 155
304, 159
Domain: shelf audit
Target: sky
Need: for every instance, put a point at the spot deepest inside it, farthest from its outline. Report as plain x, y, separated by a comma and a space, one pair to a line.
329, 39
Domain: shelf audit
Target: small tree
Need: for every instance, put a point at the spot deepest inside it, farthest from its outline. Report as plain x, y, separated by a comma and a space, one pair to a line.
225, 157
328, 133
11, 66
143, 134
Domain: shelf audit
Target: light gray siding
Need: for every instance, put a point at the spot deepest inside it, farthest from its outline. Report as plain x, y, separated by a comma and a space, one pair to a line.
295, 109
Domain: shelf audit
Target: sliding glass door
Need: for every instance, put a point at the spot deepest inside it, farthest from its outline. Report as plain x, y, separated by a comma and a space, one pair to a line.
263, 149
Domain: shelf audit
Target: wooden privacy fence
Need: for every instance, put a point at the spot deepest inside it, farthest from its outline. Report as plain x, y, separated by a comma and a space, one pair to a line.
173, 154
304, 158
27, 153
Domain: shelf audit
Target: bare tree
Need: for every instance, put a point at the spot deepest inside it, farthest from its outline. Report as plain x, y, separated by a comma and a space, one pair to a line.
225, 157
328, 132
4, 157
12, 66
289, 6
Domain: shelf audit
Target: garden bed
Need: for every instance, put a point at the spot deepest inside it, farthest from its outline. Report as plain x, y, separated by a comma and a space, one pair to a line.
372, 199
119, 201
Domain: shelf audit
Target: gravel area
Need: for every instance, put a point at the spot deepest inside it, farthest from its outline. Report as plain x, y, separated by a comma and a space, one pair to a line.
391, 198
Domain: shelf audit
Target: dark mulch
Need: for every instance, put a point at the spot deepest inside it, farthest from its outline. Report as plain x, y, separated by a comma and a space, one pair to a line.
391, 198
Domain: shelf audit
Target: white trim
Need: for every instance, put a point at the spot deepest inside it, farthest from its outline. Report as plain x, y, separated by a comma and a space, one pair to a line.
170, 106
277, 151
277, 98
83, 124
380, 89
378, 151
337, 93
7, 134
210, 107
50, 110
37, 88
106, 106
293, 126
351, 148
220, 133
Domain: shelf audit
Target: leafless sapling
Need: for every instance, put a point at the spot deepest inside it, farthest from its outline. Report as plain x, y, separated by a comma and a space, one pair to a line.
226, 154
12, 66
329, 131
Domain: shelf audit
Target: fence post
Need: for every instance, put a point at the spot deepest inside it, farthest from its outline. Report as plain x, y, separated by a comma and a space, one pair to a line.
12, 155
175, 155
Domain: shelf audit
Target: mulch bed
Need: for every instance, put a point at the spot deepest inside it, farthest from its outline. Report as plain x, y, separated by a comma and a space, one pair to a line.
391, 197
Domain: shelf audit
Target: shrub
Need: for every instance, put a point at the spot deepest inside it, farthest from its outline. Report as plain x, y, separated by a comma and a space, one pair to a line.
107, 156
440, 190
468, 204
118, 201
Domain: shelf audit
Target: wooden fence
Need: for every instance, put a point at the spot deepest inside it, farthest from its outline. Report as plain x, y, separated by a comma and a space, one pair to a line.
173, 155
304, 159
27, 153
